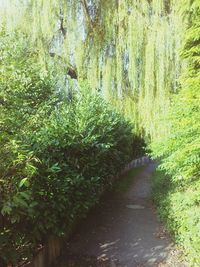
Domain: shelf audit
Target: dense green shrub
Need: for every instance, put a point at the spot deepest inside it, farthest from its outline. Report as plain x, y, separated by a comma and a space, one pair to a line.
179, 208
27, 93
179, 150
61, 169
57, 156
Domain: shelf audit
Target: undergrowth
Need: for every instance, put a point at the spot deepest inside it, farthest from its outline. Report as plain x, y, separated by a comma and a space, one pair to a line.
178, 207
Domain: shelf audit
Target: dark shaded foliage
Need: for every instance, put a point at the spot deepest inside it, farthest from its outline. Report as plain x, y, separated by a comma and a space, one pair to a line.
57, 157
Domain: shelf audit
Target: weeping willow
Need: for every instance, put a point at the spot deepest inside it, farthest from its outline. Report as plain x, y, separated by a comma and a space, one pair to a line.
127, 50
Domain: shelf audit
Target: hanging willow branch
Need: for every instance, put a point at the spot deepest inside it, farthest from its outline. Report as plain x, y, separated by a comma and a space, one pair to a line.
127, 48
62, 28
87, 13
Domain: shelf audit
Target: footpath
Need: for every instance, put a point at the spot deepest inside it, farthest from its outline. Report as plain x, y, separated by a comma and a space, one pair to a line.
123, 231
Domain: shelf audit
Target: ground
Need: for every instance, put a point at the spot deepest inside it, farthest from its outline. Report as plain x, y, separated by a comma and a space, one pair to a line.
123, 231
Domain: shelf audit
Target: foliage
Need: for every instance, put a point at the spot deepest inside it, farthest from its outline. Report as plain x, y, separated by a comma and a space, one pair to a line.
130, 48
178, 207
26, 94
25, 85
58, 154
179, 149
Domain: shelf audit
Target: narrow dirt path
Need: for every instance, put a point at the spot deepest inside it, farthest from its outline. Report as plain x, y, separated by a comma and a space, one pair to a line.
123, 231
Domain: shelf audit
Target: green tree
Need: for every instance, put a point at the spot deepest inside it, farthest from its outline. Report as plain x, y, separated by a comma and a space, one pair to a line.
179, 149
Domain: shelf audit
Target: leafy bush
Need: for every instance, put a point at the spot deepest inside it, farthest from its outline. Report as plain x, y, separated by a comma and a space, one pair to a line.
179, 208
179, 151
26, 94
57, 156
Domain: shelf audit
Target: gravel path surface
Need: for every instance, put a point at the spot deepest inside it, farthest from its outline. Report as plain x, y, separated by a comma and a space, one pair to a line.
123, 231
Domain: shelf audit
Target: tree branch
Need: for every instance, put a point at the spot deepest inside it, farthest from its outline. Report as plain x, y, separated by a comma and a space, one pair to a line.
87, 13
62, 29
